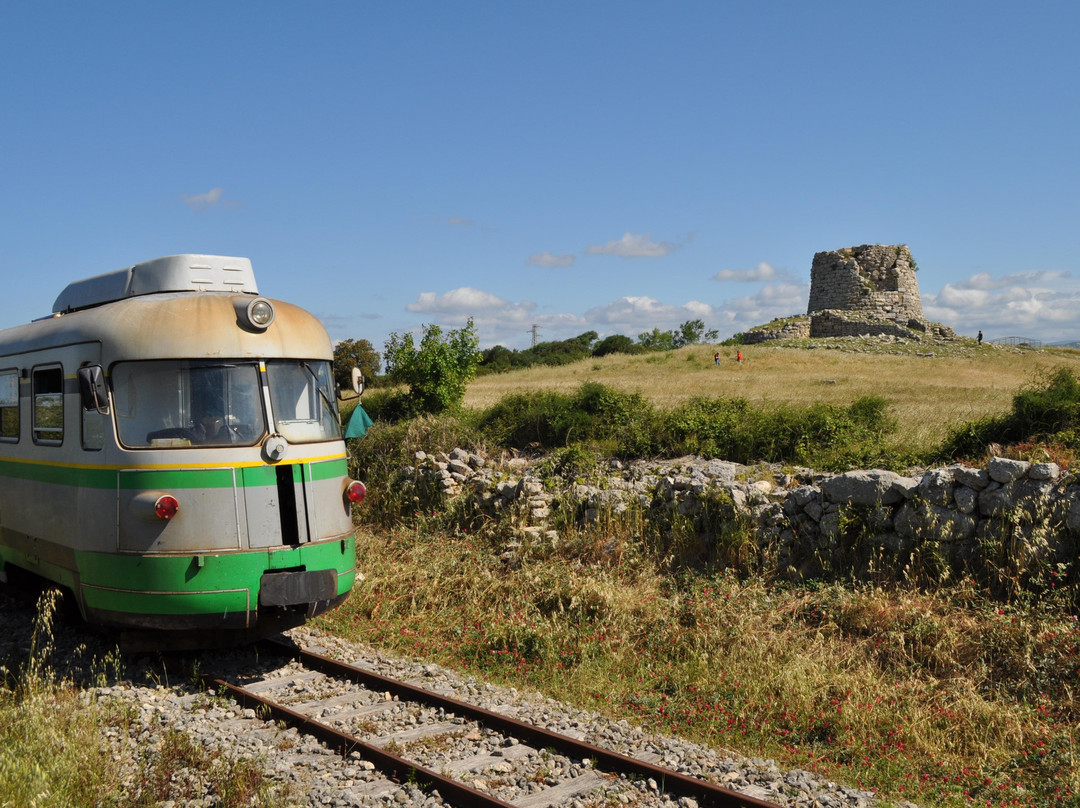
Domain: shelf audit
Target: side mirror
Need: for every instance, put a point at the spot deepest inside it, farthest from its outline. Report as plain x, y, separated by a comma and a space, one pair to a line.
357, 381
93, 390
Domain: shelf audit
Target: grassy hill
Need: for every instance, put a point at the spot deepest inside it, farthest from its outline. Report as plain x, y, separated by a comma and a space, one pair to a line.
930, 388
940, 694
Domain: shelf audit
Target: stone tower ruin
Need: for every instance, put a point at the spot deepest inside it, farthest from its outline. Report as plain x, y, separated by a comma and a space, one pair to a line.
859, 291
873, 280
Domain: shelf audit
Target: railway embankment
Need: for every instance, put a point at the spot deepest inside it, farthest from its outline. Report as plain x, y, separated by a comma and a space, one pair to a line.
1001, 520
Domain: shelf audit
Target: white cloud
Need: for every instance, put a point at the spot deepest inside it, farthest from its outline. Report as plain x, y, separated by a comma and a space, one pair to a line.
504, 322
203, 201
1039, 304
771, 301
634, 246
459, 221
464, 300
546, 259
762, 272
986, 281
632, 315
497, 321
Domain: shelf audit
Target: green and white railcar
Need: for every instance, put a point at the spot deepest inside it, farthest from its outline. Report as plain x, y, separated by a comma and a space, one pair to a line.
171, 453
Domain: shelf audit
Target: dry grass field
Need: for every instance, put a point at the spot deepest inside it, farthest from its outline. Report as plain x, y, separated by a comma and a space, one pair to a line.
928, 395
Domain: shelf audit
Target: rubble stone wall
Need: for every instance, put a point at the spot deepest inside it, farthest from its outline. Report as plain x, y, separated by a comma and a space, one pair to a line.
805, 520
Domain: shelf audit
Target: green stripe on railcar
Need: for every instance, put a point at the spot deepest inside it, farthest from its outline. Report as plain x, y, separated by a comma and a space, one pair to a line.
217, 477
201, 584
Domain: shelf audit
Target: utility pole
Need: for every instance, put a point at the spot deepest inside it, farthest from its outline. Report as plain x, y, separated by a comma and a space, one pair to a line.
534, 331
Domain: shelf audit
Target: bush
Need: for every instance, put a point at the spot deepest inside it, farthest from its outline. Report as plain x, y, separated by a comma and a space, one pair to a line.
617, 343
733, 430
437, 371
594, 414
1047, 410
379, 456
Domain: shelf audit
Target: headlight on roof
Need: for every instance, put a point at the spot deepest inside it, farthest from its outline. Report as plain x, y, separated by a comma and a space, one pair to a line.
260, 313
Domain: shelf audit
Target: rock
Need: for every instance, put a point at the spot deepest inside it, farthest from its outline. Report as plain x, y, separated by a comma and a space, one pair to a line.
936, 486
905, 486
966, 498
1043, 471
976, 479
872, 487
1003, 470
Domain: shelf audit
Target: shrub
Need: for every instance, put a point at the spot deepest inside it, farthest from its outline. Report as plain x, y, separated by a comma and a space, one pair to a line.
617, 343
437, 371
1047, 410
594, 414
733, 430
379, 456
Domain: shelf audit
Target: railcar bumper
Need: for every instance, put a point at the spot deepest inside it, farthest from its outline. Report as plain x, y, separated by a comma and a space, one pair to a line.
236, 590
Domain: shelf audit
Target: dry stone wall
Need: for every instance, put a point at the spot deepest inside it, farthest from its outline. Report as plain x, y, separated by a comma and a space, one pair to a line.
806, 522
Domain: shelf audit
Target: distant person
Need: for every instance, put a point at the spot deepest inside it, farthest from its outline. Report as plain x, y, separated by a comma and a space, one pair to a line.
980, 337
716, 358
738, 357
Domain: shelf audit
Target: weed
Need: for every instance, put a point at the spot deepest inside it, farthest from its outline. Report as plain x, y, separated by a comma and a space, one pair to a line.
874, 685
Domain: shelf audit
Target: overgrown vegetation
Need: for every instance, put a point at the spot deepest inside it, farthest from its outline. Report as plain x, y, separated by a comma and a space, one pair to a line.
926, 686
1046, 412
625, 425
944, 698
53, 741
435, 372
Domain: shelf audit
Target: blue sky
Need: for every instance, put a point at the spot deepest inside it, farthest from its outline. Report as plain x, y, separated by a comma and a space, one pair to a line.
573, 165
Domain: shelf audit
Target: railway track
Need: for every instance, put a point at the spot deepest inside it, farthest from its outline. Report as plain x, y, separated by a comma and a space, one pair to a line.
469, 755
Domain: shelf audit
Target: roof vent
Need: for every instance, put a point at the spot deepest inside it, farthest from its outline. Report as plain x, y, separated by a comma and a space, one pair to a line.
175, 273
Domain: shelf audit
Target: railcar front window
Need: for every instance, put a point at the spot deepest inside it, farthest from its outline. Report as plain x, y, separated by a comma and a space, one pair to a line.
181, 403
302, 396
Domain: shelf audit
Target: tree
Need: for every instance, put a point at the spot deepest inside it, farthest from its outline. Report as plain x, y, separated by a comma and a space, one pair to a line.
616, 343
692, 332
437, 371
350, 353
656, 340
689, 333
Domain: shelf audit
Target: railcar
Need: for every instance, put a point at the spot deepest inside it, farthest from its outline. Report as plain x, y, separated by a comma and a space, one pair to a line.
171, 454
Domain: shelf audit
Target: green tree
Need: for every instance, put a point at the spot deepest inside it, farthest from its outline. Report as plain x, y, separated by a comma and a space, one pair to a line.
350, 353
616, 343
691, 333
656, 340
438, 370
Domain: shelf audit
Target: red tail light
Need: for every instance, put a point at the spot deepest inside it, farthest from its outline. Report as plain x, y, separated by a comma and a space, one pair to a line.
356, 492
166, 507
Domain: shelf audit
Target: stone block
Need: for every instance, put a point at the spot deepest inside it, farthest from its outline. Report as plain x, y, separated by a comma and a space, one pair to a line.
1004, 470
1044, 471
976, 479
936, 486
872, 487
966, 498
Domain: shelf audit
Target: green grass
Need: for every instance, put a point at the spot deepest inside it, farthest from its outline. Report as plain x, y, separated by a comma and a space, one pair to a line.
55, 752
919, 686
942, 698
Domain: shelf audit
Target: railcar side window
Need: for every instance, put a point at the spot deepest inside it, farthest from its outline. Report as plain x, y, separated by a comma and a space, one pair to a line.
48, 406
304, 402
180, 403
9, 405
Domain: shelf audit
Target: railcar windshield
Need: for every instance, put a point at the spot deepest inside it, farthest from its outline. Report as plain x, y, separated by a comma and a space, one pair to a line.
187, 403
303, 399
